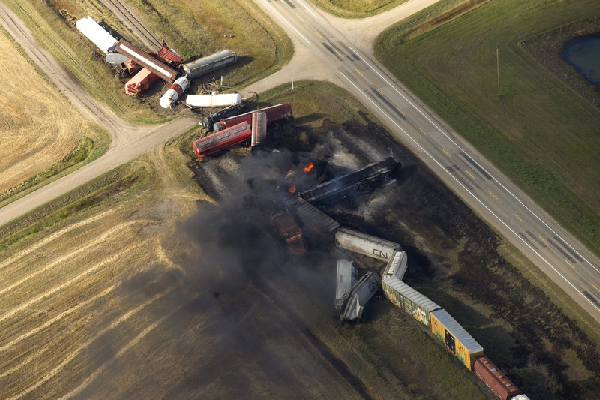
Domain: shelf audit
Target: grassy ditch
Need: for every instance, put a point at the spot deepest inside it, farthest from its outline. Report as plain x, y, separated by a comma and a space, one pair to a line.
539, 132
357, 8
192, 29
87, 150
122, 181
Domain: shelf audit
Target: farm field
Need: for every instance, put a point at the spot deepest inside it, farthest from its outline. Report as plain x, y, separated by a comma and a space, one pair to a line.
540, 133
165, 278
356, 8
192, 29
41, 134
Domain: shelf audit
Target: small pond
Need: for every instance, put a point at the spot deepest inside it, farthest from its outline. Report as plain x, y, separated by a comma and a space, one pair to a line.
583, 54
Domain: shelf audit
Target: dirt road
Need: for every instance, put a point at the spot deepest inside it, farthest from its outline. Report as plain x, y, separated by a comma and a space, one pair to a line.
128, 140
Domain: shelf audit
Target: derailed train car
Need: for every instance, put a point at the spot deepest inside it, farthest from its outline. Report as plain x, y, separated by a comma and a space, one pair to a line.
367, 178
494, 379
368, 245
222, 139
455, 337
397, 264
346, 279
361, 293
408, 299
274, 114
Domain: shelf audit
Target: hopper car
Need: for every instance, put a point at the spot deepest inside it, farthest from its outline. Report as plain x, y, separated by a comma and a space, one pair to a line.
362, 291
397, 264
367, 178
140, 82
368, 245
346, 278
220, 140
209, 64
290, 232
274, 114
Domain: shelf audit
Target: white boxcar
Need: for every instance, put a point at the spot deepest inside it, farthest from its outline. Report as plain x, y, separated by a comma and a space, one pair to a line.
346, 278
213, 100
366, 244
358, 297
397, 265
97, 34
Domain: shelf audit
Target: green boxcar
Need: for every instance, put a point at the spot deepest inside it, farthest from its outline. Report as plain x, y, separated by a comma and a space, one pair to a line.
408, 299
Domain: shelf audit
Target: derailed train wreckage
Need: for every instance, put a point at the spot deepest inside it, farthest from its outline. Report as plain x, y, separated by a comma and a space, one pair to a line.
352, 295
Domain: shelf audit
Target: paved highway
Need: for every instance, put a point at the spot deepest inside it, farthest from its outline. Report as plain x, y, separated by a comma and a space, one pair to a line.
461, 167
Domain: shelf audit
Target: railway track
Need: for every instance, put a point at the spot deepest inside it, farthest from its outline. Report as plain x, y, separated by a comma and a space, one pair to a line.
134, 23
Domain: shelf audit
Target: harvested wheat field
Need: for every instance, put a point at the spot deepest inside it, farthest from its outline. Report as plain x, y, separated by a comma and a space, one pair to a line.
38, 126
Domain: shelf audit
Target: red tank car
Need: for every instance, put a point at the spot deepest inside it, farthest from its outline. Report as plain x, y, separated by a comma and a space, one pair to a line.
222, 139
494, 378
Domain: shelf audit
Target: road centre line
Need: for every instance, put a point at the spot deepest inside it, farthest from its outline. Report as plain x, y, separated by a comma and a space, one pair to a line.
595, 287
424, 132
286, 21
543, 240
319, 35
360, 73
459, 147
570, 265
517, 217
444, 150
467, 171
299, 17
472, 194
493, 195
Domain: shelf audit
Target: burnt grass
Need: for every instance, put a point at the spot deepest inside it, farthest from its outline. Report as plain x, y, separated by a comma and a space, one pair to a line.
459, 267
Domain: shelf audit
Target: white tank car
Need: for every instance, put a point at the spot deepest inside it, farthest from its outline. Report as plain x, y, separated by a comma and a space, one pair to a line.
213, 100
358, 297
368, 245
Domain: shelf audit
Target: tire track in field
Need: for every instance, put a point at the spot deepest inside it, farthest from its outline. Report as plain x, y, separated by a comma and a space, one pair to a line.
55, 289
54, 236
125, 348
56, 318
68, 256
85, 345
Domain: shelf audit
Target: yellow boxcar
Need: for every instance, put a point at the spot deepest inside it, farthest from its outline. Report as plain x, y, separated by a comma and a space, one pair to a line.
455, 337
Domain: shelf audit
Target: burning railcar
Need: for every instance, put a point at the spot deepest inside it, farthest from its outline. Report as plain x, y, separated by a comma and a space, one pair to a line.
365, 179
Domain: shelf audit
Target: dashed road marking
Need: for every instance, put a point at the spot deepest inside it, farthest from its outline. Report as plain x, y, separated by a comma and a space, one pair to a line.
299, 17
517, 217
570, 265
319, 35
423, 132
467, 171
493, 195
596, 287
444, 150
360, 73
543, 240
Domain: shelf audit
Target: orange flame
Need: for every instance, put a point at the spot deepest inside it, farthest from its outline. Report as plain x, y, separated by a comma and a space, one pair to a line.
308, 168
292, 189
